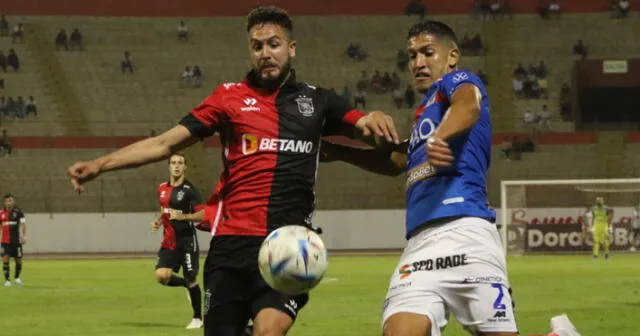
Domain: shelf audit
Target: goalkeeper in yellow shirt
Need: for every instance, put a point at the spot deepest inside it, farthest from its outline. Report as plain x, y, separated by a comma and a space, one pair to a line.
602, 217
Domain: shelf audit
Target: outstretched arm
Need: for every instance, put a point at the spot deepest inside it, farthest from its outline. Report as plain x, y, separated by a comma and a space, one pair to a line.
137, 154
389, 161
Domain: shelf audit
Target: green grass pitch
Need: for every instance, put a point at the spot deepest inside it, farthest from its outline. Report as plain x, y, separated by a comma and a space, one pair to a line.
120, 297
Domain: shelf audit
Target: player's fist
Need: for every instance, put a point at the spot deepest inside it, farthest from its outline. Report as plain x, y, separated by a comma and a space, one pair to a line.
175, 214
81, 172
439, 153
380, 126
155, 225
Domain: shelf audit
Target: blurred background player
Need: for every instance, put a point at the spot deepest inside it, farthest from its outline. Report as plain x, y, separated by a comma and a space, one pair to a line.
179, 247
602, 217
271, 127
635, 228
14, 235
587, 226
454, 260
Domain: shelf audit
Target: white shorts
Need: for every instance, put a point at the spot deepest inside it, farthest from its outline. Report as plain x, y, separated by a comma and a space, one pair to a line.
458, 266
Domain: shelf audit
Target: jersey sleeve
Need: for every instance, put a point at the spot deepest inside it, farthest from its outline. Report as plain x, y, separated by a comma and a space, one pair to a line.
204, 120
341, 116
21, 218
194, 199
452, 81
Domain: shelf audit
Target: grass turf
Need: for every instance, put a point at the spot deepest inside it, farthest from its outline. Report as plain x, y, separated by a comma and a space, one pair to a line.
120, 297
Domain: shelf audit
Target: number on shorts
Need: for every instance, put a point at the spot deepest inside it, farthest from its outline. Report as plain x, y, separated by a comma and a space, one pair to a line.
188, 260
497, 304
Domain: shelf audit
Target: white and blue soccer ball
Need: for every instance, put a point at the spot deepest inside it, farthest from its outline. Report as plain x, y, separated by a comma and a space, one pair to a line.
293, 259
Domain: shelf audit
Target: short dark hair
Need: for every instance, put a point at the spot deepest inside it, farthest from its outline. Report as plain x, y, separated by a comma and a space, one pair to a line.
437, 28
270, 14
177, 154
9, 195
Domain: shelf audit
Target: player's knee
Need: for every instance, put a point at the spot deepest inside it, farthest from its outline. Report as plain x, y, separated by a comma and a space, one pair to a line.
405, 324
271, 322
191, 279
163, 276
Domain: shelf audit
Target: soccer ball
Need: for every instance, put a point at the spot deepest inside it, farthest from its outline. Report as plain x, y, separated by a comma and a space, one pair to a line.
292, 259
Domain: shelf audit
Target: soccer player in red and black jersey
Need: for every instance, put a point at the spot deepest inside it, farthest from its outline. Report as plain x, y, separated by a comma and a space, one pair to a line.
179, 247
270, 127
14, 235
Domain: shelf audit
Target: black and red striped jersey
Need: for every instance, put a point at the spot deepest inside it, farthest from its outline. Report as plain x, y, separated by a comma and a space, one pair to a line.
10, 219
185, 198
270, 146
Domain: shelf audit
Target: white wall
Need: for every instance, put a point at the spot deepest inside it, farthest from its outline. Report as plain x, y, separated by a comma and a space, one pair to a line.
130, 232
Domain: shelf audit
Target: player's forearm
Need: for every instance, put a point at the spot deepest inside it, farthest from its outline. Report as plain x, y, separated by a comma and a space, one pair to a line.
194, 217
23, 230
147, 150
379, 161
459, 119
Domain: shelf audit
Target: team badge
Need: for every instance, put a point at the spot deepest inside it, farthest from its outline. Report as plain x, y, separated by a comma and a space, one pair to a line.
180, 195
305, 106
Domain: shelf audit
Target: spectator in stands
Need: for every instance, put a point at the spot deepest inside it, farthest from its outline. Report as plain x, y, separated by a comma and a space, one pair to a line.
355, 52
3, 62
5, 144
3, 107
183, 32
62, 40
541, 70
580, 49
481, 9
398, 97
11, 108
363, 82
465, 44
520, 71
554, 9
359, 98
197, 76
386, 82
518, 86
507, 148
21, 108
31, 107
531, 87
543, 87
544, 117
402, 60
410, 96
127, 63
75, 40
395, 81
346, 94
4, 26
187, 76
476, 45
376, 82
497, 10
565, 102
416, 7
18, 33
530, 121
13, 60
619, 8
483, 77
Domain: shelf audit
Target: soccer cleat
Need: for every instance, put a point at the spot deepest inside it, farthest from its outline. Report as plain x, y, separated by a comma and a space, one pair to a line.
196, 323
7, 283
18, 281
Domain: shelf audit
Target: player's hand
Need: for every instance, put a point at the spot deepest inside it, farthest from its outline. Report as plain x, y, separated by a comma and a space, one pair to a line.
23, 240
379, 125
439, 153
175, 214
81, 172
155, 225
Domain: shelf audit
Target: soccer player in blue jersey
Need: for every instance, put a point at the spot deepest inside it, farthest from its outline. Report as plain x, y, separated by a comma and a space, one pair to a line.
454, 260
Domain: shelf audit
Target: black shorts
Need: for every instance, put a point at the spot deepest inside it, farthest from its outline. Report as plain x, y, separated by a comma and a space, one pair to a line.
186, 255
13, 250
234, 289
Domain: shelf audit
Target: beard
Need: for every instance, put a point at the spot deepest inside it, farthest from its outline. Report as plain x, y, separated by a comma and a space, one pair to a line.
273, 83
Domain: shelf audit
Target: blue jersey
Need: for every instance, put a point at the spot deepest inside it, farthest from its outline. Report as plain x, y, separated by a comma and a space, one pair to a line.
459, 190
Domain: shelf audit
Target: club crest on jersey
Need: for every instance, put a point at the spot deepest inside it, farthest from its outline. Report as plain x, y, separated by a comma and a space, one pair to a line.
180, 195
305, 106
459, 77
